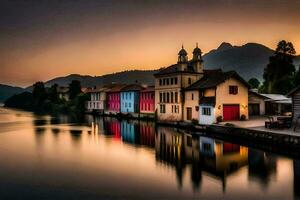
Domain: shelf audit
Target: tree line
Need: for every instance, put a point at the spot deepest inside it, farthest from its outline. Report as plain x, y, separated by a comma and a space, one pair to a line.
47, 100
280, 75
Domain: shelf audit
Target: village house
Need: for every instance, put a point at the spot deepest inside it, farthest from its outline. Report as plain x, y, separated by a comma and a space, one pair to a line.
170, 82
217, 94
269, 104
130, 98
147, 100
98, 99
295, 95
113, 99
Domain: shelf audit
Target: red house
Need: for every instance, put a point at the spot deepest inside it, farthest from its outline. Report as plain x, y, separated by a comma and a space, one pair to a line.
113, 98
147, 98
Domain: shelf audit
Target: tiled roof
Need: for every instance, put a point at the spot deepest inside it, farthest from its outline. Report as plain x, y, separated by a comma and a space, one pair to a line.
132, 87
208, 101
176, 68
214, 79
293, 91
148, 89
116, 87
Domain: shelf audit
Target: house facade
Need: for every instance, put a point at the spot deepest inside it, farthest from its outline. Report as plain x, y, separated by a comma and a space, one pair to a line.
130, 96
170, 82
147, 100
97, 99
217, 95
114, 99
269, 104
295, 95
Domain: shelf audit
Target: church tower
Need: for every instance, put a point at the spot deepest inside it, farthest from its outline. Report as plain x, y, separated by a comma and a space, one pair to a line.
182, 59
197, 60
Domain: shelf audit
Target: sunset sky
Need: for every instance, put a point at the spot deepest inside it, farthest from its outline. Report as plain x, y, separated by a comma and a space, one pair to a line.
40, 40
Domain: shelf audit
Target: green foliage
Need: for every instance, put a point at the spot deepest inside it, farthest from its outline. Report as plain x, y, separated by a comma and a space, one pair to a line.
39, 93
74, 89
47, 101
219, 119
254, 83
278, 75
296, 80
53, 94
21, 101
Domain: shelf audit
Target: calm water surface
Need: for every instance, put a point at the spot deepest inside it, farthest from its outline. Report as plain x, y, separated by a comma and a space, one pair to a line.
103, 158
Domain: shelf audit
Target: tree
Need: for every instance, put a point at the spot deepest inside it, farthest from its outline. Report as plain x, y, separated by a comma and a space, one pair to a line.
278, 75
296, 80
74, 89
254, 83
39, 93
53, 94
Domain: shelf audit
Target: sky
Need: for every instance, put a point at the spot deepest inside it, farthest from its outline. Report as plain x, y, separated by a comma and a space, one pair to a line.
41, 40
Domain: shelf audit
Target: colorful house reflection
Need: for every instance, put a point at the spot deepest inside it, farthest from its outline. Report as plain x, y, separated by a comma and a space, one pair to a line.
129, 132
113, 127
147, 133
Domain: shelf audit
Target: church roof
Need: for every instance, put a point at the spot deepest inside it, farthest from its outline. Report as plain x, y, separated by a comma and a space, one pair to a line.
211, 80
176, 68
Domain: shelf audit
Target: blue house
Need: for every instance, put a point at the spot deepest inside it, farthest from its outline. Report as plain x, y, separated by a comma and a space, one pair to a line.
130, 98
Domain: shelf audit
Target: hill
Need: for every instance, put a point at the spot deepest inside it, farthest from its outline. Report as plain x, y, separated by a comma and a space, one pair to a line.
139, 76
248, 60
7, 91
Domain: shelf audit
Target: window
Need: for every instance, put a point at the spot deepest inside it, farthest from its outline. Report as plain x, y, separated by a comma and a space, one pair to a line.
160, 97
189, 141
233, 89
168, 97
164, 81
176, 97
175, 80
192, 96
162, 108
172, 97
167, 81
164, 97
190, 81
172, 81
206, 111
160, 82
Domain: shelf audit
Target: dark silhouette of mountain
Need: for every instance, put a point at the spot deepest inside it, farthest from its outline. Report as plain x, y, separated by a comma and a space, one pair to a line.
248, 60
7, 91
132, 76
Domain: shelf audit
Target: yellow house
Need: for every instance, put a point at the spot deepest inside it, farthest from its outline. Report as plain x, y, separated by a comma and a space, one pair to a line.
217, 94
170, 82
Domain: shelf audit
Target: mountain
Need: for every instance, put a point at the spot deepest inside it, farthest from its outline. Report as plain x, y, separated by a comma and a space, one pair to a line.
7, 91
133, 76
248, 60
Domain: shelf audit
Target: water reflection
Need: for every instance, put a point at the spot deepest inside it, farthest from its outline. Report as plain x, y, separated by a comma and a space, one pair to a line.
136, 158
297, 179
262, 166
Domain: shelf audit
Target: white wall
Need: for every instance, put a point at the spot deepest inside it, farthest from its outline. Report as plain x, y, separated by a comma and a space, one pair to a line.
206, 119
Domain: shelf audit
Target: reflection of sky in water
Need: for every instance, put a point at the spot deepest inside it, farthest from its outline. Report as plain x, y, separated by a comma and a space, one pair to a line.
43, 158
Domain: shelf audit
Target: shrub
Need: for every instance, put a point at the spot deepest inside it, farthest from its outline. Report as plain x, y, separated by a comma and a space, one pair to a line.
194, 121
219, 119
229, 125
243, 117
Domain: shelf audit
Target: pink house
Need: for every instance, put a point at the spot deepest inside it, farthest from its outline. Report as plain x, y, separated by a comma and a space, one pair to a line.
147, 98
113, 98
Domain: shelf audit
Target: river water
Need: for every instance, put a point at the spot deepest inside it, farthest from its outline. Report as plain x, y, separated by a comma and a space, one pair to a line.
102, 158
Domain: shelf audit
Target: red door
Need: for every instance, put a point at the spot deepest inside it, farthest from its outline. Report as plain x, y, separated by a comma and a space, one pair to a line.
231, 112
